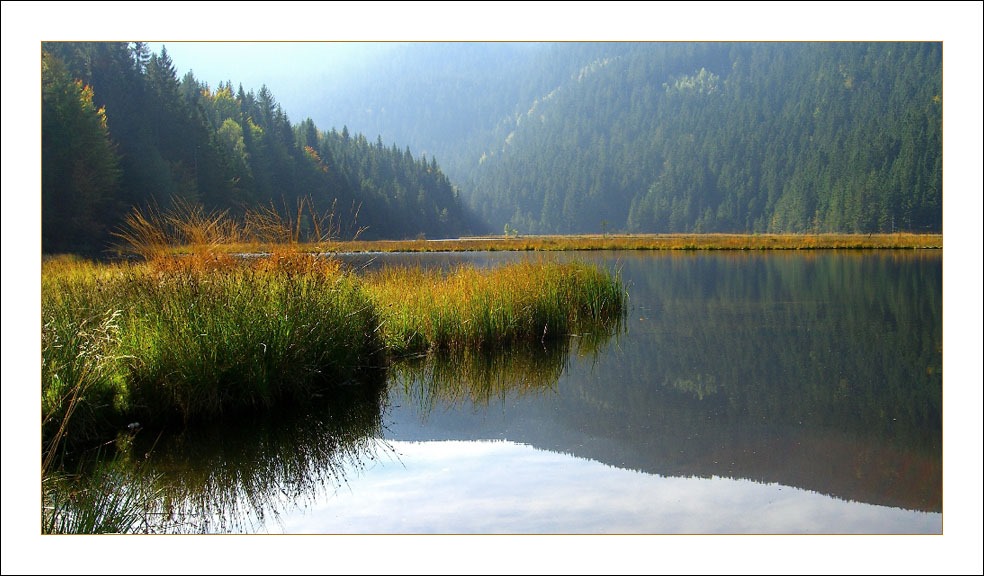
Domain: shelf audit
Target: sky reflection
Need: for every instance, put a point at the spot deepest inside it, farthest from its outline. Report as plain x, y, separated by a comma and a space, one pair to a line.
500, 487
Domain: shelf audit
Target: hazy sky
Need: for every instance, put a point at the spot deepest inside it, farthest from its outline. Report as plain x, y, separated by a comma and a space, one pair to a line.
293, 71
272, 63
294, 47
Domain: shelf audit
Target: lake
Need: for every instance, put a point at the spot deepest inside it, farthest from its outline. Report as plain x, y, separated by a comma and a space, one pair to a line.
790, 392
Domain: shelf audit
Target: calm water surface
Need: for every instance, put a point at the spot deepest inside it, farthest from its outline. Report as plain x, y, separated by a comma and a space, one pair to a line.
759, 393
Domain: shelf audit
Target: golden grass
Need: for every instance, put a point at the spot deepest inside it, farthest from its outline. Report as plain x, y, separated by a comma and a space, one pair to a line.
194, 338
186, 229
652, 242
527, 302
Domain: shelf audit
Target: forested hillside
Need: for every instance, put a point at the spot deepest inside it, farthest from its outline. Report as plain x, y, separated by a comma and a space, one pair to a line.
120, 130
578, 137
673, 137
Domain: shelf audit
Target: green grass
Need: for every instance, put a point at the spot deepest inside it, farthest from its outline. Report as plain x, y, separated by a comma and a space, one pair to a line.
127, 341
112, 499
192, 334
484, 309
189, 341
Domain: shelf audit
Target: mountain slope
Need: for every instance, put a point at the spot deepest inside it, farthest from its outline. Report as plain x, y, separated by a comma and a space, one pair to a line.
673, 137
121, 131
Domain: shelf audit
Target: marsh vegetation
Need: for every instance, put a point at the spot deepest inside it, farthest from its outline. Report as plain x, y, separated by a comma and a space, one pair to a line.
200, 335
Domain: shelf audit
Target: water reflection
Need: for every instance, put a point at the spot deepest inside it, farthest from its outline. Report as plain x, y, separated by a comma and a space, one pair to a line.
499, 487
817, 370
820, 370
240, 477
444, 380
745, 393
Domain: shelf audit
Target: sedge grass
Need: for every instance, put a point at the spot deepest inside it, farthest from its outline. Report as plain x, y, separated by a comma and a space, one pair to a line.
148, 342
192, 333
195, 345
526, 302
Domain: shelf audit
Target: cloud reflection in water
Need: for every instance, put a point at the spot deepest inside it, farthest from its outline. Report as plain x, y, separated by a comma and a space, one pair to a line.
501, 487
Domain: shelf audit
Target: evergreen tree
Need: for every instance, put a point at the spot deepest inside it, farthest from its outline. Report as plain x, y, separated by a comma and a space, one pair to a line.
79, 166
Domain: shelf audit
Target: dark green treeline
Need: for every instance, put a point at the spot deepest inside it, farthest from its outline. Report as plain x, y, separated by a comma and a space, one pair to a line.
720, 137
642, 137
120, 130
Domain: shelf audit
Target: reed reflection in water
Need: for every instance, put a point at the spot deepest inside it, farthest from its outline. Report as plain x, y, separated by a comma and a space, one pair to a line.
241, 476
745, 393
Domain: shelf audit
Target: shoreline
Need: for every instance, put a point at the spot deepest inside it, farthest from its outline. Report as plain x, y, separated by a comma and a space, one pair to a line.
644, 242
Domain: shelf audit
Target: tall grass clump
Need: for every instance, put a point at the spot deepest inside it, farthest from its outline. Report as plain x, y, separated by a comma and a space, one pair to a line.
467, 307
127, 341
155, 234
248, 337
83, 368
190, 331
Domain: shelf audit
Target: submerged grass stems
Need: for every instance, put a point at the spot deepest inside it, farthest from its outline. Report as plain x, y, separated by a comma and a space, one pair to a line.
112, 499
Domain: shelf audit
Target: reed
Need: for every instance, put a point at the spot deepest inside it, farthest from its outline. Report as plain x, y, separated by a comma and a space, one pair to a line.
199, 339
523, 302
193, 333
126, 340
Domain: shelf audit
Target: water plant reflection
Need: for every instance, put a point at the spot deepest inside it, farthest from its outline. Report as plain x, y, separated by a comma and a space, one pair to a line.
443, 379
238, 477
244, 476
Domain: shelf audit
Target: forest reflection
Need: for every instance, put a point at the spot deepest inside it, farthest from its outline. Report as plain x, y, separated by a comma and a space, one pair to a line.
818, 371
242, 477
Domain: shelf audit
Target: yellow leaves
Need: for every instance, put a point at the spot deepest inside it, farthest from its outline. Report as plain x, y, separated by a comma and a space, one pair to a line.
316, 158
85, 96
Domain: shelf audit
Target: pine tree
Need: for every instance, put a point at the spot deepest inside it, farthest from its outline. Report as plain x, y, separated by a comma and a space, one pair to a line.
79, 168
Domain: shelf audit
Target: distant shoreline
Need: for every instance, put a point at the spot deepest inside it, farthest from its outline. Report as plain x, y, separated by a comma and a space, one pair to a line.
593, 242
649, 242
